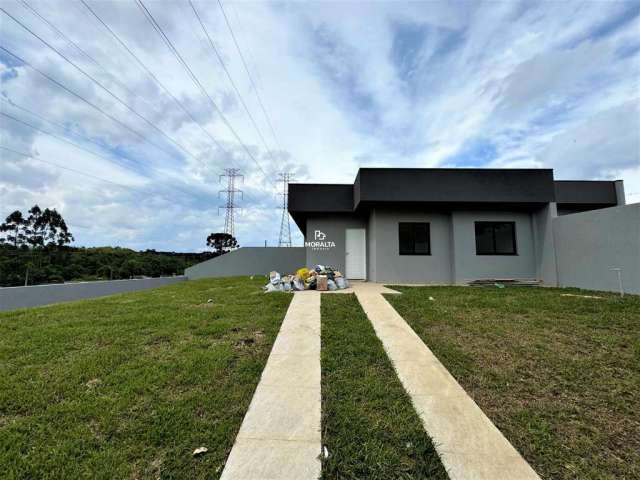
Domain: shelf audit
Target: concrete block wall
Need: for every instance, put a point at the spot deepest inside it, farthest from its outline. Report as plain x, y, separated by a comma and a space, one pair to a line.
589, 244
250, 261
36, 295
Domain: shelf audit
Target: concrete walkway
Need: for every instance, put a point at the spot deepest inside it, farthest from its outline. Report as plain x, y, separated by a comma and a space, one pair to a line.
468, 443
280, 434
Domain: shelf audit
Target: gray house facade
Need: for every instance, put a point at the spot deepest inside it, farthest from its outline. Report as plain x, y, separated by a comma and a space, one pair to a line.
442, 226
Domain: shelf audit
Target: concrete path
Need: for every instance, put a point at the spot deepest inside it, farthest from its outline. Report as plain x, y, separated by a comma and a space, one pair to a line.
280, 434
468, 443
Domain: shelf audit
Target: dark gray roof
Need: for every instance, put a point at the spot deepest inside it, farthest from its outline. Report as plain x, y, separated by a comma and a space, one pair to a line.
585, 192
453, 185
445, 188
321, 197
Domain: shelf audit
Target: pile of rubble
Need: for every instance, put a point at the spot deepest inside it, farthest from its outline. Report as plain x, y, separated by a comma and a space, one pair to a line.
321, 278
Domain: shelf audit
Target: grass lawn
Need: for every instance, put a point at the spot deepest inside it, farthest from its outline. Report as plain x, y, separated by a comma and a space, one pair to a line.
128, 386
559, 376
368, 422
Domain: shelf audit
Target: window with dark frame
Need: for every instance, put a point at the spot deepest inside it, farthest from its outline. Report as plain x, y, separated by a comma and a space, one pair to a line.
415, 238
496, 238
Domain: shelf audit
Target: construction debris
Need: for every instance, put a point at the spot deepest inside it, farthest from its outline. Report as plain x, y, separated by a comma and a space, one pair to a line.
200, 451
321, 277
325, 452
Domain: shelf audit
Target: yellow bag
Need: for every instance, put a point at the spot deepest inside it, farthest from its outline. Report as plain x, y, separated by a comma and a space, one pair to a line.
303, 273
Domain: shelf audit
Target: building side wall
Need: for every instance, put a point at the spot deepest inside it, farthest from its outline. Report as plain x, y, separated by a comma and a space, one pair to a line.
334, 227
546, 267
36, 295
588, 245
250, 261
469, 266
387, 263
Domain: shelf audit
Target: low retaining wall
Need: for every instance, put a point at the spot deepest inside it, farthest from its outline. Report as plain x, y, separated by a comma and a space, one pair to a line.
590, 244
250, 261
33, 296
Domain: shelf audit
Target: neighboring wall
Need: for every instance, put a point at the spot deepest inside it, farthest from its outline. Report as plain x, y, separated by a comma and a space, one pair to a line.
250, 261
590, 244
469, 266
32, 296
385, 262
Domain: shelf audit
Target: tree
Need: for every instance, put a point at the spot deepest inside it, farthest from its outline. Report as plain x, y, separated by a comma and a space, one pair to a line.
221, 242
53, 228
15, 228
36, 227
40, 229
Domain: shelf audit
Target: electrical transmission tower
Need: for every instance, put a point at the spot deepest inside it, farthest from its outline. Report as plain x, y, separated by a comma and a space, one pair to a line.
231, 190
285, 226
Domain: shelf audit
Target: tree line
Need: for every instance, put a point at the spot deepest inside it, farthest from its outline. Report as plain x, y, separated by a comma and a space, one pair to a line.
34, 250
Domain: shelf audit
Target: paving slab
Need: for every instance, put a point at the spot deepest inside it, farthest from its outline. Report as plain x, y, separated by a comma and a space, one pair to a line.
280, 436
470, 446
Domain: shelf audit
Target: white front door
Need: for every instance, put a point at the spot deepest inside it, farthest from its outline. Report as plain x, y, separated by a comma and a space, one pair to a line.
356, 254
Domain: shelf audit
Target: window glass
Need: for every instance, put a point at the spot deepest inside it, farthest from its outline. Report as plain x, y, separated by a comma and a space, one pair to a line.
504, 238
421, 238
484, 238
414, 238
495, 238
406, 240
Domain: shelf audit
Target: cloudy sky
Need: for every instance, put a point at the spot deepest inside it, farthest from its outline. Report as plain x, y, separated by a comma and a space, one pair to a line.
129, 143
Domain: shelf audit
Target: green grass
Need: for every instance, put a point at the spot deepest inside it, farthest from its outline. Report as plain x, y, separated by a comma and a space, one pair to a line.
559, 376
368, 422
128, 386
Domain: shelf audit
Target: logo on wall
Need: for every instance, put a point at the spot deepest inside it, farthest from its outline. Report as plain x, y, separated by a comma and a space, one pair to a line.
320, 242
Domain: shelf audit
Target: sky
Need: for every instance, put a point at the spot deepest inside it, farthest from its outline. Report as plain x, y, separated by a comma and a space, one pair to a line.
126, 132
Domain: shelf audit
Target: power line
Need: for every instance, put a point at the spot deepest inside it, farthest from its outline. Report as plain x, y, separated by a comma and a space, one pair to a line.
195, 79
284, 239
231, 191
246, 68
233, 84
69, 169
80, 147
27, 124
155, 78
104, 88
77, 95
81, 50
145, 192
64, 127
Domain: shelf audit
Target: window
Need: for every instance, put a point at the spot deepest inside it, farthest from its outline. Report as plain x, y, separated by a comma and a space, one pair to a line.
496, 238
414, 239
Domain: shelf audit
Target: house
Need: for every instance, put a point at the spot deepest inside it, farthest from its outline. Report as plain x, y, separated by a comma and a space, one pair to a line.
443, 225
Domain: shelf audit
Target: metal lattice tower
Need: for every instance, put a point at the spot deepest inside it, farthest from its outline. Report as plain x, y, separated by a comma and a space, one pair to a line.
285, 227
230, 206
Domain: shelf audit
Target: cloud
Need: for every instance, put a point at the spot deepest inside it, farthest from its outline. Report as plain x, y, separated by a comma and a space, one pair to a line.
597, 146
500, 84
